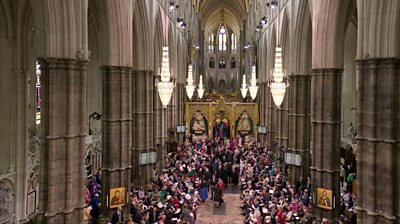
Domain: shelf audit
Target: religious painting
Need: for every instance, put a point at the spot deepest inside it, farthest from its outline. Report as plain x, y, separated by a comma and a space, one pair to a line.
198, 124
31, 203
244, 124
221, 126
324, 198
117, 197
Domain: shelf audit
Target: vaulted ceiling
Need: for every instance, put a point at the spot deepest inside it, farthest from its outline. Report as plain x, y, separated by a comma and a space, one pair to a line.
233, 11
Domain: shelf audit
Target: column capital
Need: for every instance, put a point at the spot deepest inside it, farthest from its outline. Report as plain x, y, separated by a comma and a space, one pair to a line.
143, 72
115, 69
391, 62
326, 71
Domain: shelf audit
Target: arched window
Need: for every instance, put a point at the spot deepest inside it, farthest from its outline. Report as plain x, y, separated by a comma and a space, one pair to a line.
38, 97
222, 38
211, 42
233, 42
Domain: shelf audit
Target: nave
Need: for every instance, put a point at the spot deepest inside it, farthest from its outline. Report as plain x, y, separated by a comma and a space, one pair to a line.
98, 95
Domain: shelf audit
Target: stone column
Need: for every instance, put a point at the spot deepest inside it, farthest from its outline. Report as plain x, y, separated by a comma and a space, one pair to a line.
378, 138
63, 132
261, 101
299, 124
326, 120
143, 123
171, 111
181, 98
160, 133
282, 122
117, 130
270, 117
149, 108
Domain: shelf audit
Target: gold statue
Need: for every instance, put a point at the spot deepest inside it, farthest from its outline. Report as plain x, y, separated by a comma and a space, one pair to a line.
199, 126
244, 123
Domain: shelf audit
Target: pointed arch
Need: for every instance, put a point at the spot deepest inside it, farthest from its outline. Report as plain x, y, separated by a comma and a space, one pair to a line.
285, 40
158, 40
301, 54
329, 23
283, 27
7, 11
141, 36
271, 51
61, 28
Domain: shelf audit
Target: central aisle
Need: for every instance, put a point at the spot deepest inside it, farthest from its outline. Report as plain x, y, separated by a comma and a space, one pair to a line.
227, 213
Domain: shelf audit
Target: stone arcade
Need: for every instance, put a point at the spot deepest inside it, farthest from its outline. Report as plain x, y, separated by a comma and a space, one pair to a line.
78, 89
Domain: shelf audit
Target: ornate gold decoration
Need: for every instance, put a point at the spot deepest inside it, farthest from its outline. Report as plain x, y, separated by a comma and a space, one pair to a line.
232, 110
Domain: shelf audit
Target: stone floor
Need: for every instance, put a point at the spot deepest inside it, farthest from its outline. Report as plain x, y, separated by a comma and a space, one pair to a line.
227, 213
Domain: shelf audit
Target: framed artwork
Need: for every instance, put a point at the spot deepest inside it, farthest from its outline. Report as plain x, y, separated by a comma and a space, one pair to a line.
117, 197
31, 203
324, 198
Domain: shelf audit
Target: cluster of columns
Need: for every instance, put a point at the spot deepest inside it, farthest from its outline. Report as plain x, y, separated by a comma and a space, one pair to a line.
314, 112
143, 116
63, 132
133, 118
378, 140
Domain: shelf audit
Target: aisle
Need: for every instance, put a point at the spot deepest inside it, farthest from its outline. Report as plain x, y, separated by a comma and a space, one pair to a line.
227, 213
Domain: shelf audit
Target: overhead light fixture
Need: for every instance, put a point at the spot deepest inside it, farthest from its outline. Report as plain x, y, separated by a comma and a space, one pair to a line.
190, 83
171, 6
244, 89
222, 29
200, 89
273, 4
179, 20
253, 88
264, 20
277, 84
166, 86
183, 25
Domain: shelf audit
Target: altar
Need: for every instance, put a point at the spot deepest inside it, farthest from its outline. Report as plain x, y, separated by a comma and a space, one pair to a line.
221, 118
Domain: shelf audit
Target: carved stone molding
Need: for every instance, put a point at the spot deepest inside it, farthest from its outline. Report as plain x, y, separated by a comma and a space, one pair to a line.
6, 200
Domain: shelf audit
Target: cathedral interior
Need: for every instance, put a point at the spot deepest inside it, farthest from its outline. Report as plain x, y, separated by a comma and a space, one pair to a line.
117, 86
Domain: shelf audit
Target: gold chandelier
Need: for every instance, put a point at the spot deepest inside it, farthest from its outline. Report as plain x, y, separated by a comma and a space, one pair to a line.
243, 90
200, 89
277, 84
253, 88
190, 83
166, 86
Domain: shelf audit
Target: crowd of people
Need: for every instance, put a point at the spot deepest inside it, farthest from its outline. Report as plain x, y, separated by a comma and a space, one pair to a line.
198, 168
202, 170
267, 195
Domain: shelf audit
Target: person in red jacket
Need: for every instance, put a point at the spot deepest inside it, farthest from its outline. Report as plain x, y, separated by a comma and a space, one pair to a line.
280, 215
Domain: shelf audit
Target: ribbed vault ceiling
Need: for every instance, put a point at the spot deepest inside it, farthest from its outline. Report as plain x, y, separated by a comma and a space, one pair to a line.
211, 11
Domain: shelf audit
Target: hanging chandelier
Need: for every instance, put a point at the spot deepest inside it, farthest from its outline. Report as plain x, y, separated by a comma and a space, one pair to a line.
166, 86
253, 88
277, 84
200, 89
190, 84
222, 29
243, 90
